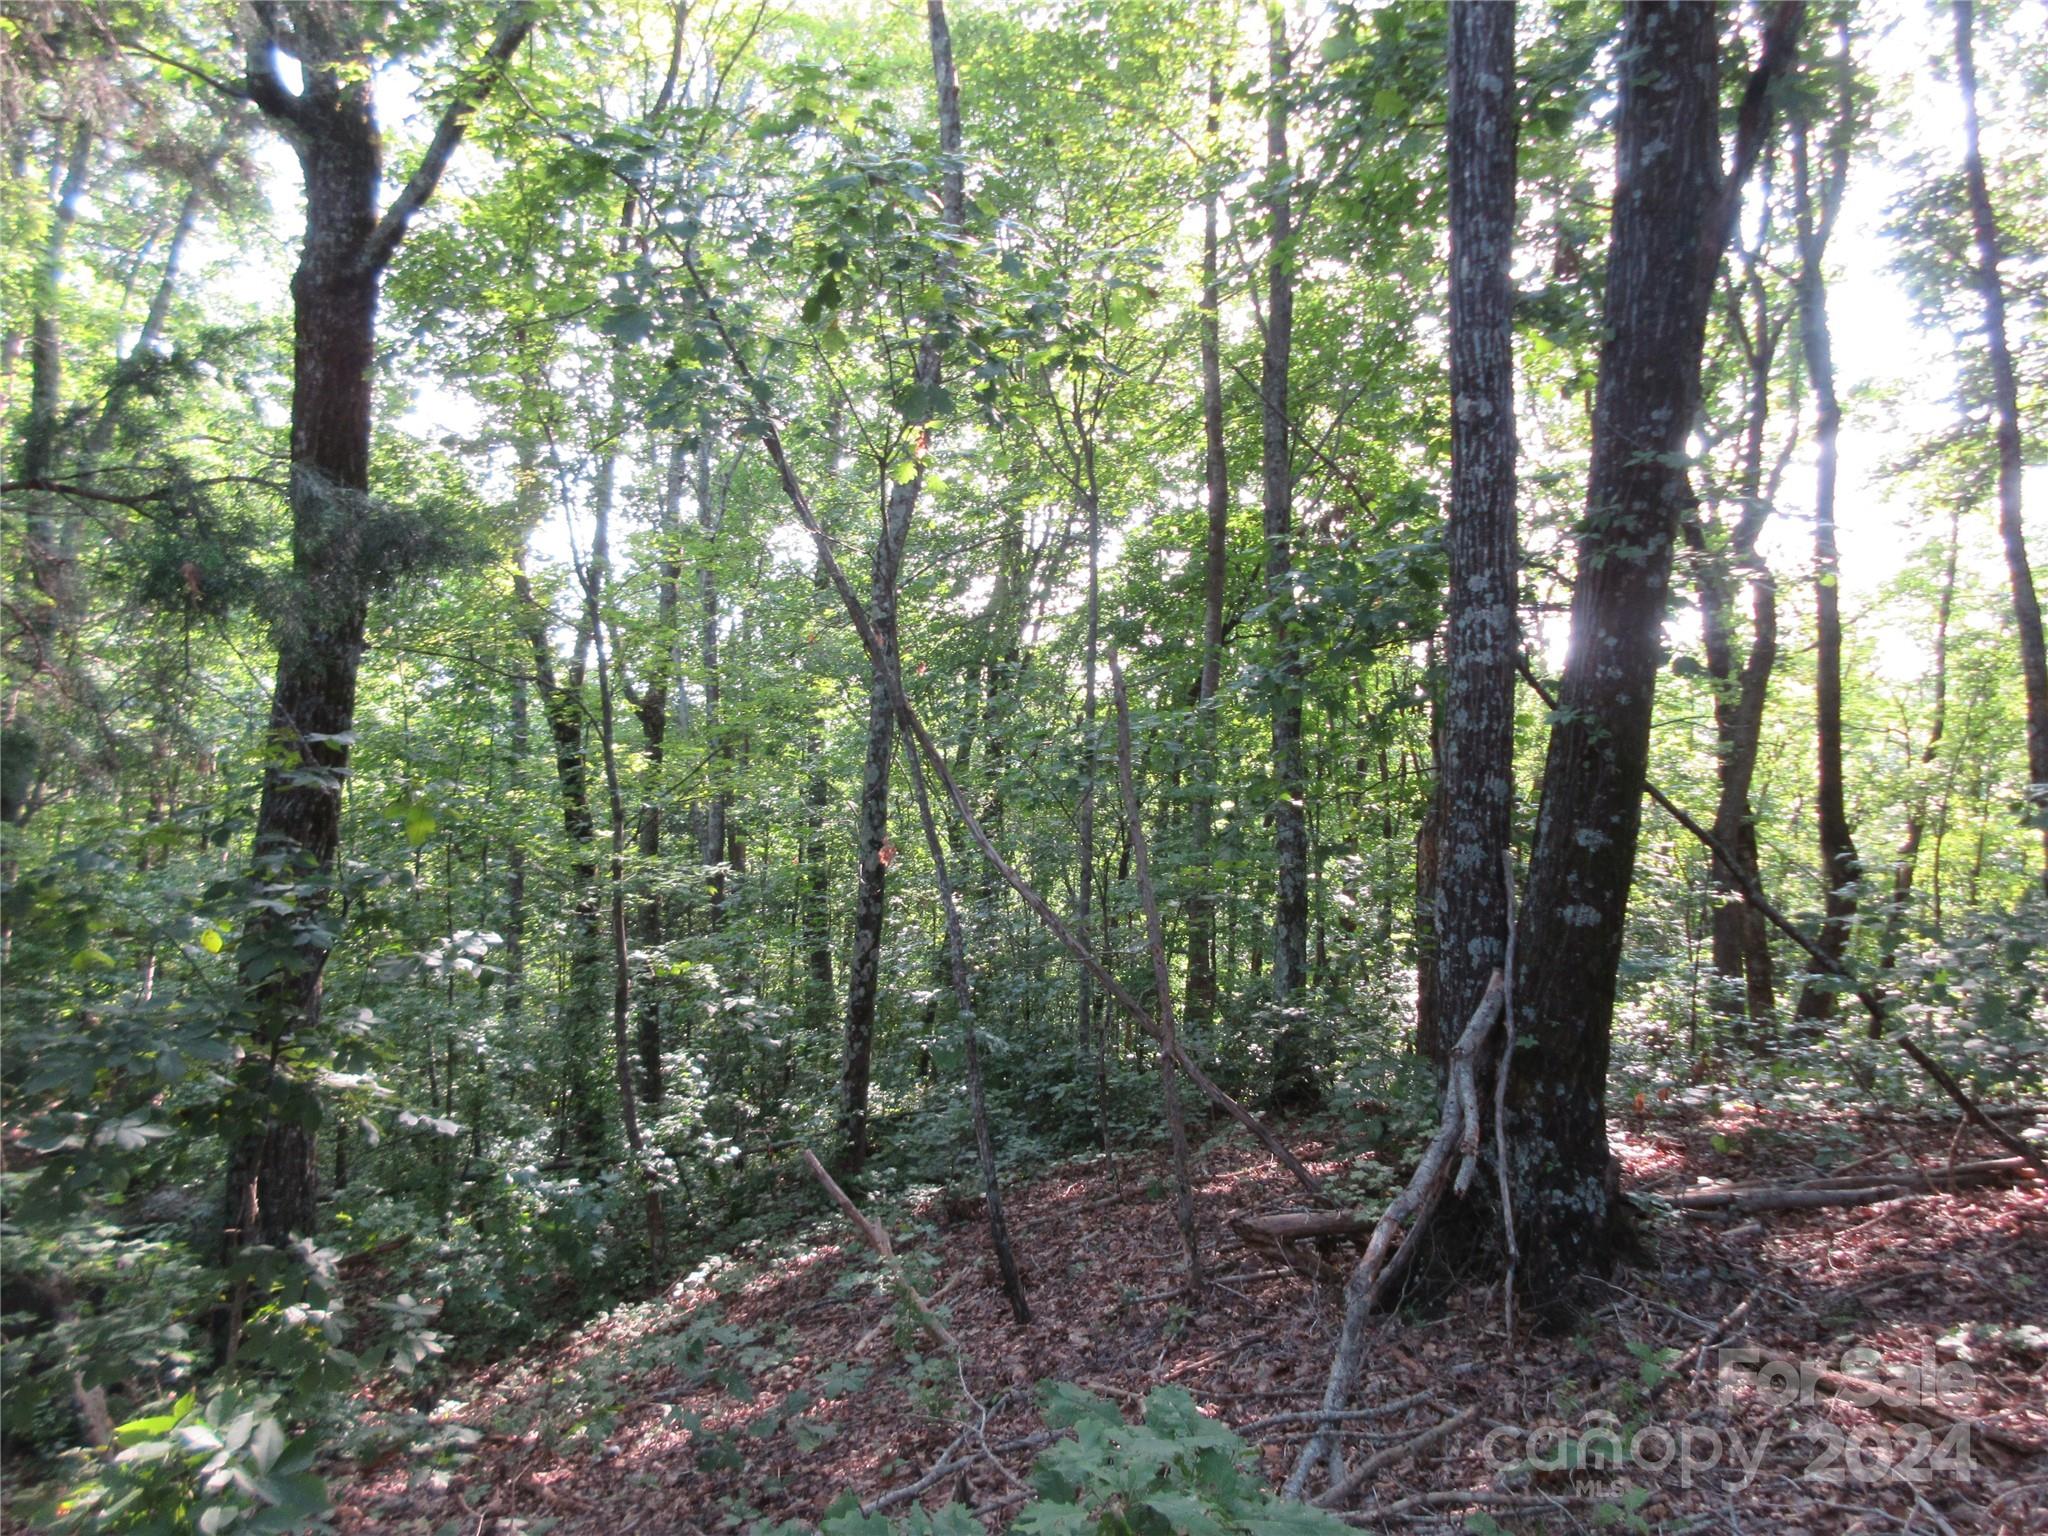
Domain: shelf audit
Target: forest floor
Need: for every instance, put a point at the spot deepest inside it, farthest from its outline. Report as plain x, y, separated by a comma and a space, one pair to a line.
761, 1391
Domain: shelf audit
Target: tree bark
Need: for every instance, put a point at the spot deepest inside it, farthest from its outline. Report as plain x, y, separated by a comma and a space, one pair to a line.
1673, 209
592, 577
1155, 940
1905, 867
816, 921
1201, 984
899, 503
271, 1178
2026, 604
1476, 766
1741, 939
1841, 869
1294, 1084
1090, 754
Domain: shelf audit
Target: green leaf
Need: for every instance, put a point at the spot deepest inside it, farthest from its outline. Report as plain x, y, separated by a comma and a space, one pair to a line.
1185, 1514
923, 403
629, 325
1063, 1406
419, 824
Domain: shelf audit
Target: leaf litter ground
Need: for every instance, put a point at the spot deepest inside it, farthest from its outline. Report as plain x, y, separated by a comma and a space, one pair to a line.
1721, 1383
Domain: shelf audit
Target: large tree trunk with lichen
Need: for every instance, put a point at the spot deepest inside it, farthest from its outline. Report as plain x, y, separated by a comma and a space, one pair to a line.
1476, 710
1672, 215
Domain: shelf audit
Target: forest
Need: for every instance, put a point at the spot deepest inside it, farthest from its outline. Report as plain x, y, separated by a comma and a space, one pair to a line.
1092, 766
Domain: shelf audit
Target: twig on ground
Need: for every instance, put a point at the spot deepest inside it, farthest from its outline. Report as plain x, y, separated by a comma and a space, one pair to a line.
1379, 1461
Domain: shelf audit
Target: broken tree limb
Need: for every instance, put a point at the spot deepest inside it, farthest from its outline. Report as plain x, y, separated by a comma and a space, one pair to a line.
1863, 1189
770, 435
1923, 1407
1378, 1269
1302, 1240
1867, 994
1379, 1461
878, 1240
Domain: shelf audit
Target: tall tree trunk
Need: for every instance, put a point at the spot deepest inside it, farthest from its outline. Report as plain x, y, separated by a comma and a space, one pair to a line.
593, 578
1294, 1083
1841, 869
576, 1038
41, 550
1741, 940
1090, 755
899, 502
1201, 984
2005, 399
651, 706
816, 920
158, 315
271, 1177
1162, 989
711, 849
1904, 869
871, 896
1476, 767
1673, 209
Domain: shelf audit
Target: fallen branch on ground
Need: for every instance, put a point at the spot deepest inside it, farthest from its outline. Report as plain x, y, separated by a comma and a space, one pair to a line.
1921, 1407
948, 1463
1412, 1208
1863, 1189
1379, 1461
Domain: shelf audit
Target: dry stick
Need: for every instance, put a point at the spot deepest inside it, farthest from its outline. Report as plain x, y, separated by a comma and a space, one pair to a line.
800, 504
1414, 1205
1385, 1410
1377, 1463
1162, 981
1500, 1107
878, 1240
948, 1464
1864, 1191
963, 997
1871, 998
1921, 1407
1924, 1178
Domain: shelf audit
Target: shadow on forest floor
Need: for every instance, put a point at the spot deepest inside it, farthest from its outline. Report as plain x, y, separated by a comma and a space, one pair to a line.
763, 1393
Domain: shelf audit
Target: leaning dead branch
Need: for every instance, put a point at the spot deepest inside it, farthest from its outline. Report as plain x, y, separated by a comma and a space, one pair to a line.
878, 1240
1409, 1213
